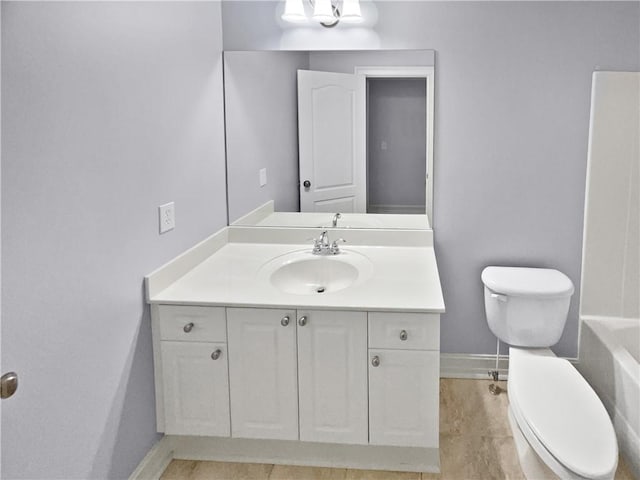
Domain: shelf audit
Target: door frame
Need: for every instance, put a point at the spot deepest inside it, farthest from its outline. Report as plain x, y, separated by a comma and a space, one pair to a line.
428, 73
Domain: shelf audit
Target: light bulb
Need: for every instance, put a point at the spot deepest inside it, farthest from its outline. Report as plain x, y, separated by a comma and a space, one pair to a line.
351, 11
323, 12
294, 12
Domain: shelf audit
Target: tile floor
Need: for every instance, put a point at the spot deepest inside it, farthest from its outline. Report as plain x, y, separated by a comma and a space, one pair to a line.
475, 443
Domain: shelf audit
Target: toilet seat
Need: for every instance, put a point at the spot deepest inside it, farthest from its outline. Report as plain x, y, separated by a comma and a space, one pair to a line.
561, 416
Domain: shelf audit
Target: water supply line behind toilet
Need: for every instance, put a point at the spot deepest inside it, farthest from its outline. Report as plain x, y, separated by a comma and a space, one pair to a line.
494, 388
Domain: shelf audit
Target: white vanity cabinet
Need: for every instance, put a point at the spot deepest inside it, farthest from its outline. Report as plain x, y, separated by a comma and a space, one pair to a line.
282, 359
332, 376
404, 371
263, 370
195, 381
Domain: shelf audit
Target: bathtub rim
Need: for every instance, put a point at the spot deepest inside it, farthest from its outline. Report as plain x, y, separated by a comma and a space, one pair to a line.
598, 324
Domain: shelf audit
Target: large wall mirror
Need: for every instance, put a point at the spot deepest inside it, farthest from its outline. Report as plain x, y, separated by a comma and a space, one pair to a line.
323, 132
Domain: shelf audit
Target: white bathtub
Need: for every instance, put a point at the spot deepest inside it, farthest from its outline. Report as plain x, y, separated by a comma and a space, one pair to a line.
610, 361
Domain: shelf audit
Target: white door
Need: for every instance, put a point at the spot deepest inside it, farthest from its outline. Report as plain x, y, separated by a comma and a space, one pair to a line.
403, 398
263, 373
196, 388
332, 142
332, 376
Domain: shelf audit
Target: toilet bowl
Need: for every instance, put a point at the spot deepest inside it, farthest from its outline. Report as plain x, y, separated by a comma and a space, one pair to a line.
566, 427
560, 427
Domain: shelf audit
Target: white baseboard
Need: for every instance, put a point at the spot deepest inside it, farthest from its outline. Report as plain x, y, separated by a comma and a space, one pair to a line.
456, 365
281, 452
284, 452
155, 462
453, 365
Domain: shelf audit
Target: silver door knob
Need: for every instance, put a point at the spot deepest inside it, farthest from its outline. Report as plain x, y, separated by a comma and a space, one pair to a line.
216, 354
375, 361
302, 321
285, 321
403, 335
188, 327
8, 384
306, 184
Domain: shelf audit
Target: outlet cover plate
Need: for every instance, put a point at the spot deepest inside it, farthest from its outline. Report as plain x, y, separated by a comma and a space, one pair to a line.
167, 217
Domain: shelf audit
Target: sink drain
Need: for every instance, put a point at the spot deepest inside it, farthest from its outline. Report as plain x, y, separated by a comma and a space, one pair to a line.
320, 290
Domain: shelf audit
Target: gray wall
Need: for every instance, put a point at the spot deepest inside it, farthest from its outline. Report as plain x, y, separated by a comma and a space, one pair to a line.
109, 109
396, 140
513, 84
261, 110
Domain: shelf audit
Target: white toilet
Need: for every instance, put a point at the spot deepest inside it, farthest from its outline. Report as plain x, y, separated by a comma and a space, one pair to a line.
561, 428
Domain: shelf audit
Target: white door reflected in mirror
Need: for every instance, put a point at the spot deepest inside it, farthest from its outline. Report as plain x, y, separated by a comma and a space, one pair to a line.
332, 137
362, 147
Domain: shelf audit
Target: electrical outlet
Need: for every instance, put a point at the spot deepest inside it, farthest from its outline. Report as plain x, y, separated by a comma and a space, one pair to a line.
263, 177
167, 217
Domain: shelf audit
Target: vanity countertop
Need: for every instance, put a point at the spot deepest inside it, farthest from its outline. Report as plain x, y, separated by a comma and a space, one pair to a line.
403, 279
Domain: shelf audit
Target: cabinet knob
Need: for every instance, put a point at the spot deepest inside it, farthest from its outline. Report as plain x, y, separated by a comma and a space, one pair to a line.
188, 327
375, 361
285, 321
302, 321
403, 335
216, 354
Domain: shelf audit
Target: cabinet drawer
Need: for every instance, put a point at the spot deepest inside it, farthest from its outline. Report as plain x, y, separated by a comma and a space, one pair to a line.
192, 324
406, 331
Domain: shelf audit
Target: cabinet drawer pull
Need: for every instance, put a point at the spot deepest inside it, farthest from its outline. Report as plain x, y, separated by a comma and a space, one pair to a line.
216, 354
302, 321
188, 327
403, 335
375, 361
285, 321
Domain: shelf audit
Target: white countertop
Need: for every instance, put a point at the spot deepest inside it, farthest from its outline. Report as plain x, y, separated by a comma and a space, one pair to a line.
404, 279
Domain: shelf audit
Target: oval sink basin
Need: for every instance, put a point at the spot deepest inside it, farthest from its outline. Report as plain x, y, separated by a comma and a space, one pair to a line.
303, 273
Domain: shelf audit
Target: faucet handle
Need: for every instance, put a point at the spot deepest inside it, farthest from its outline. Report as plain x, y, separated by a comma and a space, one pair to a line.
335, 249
317, 245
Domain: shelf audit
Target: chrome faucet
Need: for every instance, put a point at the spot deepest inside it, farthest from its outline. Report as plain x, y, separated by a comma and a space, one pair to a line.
335, 220
323, 246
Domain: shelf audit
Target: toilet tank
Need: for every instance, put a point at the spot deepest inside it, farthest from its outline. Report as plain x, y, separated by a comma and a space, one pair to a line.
526, 307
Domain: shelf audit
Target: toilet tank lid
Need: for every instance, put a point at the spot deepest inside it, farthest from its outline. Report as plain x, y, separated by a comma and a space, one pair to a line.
527, 282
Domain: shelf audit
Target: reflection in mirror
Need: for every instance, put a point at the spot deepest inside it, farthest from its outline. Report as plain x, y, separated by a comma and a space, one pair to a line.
325, 132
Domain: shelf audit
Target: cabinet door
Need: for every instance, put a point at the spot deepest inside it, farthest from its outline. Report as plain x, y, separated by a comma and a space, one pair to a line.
263, 373
332, 376
196, 388
403, 398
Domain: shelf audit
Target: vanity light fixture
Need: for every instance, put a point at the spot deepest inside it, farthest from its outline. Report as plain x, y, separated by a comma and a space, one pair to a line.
326, 12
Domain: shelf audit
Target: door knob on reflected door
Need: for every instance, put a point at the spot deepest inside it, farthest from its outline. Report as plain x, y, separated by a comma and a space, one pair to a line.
306, 184
8, 384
